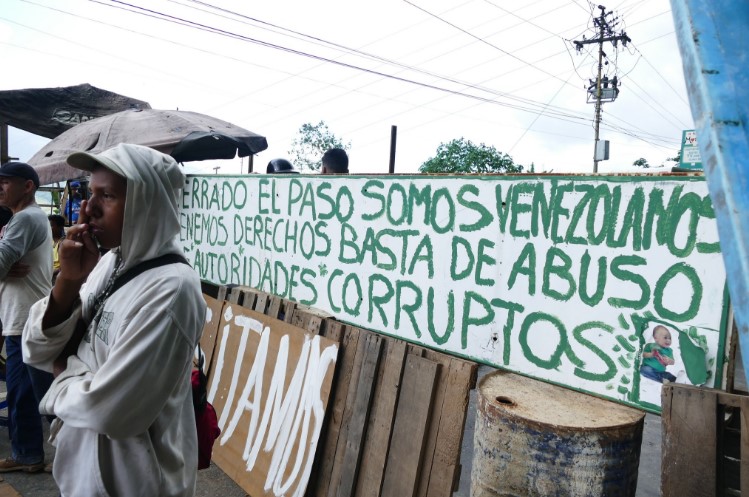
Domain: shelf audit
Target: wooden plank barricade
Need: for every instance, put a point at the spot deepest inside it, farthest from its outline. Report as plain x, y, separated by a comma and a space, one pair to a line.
395, 415
380, 472
210, 331
705, 442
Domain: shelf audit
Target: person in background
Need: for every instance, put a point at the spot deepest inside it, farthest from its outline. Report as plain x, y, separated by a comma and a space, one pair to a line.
57, 223
73, 204
281, 166
25, 277
5, 215
122, 357
334, 161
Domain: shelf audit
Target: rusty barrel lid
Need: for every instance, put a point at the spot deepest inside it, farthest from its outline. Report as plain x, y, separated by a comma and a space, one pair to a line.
510, 395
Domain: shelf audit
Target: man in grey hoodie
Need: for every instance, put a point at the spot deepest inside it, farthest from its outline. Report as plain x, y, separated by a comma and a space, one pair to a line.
125, 422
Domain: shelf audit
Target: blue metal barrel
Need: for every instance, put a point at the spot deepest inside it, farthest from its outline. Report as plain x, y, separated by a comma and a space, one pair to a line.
534, 439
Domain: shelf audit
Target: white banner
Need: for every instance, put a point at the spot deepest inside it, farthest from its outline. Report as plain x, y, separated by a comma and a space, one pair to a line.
609, 285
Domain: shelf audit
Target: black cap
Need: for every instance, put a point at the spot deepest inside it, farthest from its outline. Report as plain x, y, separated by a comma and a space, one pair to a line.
281, 166
19, 170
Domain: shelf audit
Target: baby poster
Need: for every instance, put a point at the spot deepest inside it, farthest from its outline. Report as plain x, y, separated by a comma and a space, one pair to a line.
670, 354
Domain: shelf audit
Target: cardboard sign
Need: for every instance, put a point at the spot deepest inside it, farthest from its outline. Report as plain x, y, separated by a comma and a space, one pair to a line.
269, 384
555, 277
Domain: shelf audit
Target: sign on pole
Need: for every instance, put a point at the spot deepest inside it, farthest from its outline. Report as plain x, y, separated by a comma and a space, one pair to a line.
690, 152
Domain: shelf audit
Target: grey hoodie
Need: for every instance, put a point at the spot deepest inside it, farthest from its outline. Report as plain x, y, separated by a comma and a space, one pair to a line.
125, 403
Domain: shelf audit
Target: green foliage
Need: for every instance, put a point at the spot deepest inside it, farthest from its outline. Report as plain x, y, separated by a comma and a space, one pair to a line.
311, 143
643, 163
462, 156
677, 157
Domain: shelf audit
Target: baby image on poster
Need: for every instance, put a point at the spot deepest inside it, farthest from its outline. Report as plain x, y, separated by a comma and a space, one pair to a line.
668, 355
658, 355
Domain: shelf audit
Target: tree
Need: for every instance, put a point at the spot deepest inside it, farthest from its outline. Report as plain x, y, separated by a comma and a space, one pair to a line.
462, 156
643, 163
676, 159
313, 140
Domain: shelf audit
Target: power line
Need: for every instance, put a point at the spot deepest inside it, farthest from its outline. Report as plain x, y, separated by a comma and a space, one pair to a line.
449, 91
167, 17
186, 46
661, 76
656, 38
378, 58
574, 2
527, 21
536, 118
630, 9
187, 23
526, 103
644, 137
482, 40
88, 47
676, 125
493, 101
384, 61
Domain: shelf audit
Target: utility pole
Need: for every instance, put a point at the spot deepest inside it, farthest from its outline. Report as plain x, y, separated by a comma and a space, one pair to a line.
603, 89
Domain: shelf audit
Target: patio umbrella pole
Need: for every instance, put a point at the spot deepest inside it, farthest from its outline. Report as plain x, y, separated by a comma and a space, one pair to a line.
4, 142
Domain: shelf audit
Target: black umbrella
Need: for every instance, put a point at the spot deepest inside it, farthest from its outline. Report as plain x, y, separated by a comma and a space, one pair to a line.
187, 136
206, 145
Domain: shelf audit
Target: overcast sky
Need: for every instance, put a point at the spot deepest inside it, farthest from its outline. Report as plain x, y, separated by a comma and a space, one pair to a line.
498, 72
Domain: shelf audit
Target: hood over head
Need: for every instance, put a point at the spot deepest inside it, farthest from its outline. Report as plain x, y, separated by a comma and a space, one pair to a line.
154, 182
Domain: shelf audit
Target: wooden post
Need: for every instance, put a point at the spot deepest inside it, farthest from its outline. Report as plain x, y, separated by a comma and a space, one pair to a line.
393, 139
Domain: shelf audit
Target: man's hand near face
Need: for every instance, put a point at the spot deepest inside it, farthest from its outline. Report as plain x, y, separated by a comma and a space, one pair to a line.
78, 257
78, 251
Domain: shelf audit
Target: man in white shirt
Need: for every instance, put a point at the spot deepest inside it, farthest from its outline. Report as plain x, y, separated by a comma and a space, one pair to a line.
25, 277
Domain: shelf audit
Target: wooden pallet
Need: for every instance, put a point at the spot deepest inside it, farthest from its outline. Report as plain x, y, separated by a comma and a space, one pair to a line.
705, 442
397, 420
